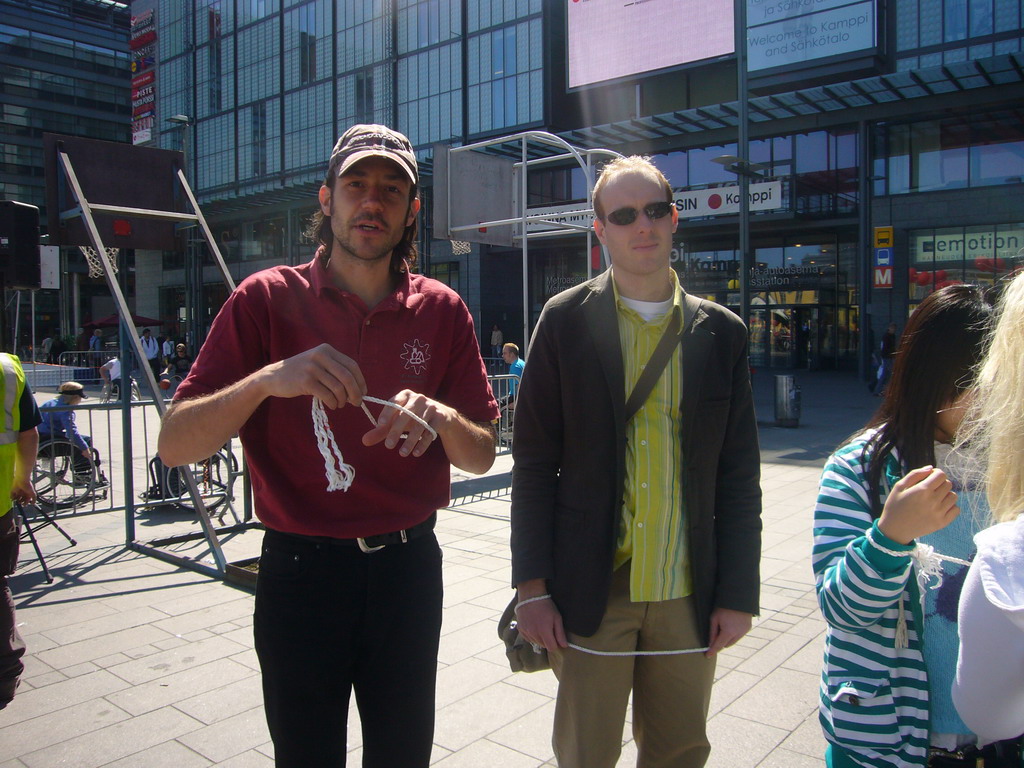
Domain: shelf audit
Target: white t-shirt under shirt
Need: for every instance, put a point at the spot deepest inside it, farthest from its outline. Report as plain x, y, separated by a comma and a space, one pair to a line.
648, 310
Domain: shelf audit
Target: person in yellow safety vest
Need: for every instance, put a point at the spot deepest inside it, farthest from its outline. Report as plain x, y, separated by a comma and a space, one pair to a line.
19, 443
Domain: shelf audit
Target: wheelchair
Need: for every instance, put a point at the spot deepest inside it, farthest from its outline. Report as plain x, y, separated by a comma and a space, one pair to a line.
112, 391
61, 482
214, 477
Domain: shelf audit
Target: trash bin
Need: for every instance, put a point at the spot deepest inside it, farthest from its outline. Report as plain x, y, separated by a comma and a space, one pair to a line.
787, 401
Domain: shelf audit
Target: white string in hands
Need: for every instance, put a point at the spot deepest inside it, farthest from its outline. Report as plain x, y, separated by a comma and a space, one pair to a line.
929, 568
537, 648
927, 560
339, 474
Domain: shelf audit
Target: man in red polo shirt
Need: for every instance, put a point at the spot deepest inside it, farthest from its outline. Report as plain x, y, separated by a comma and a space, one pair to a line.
349, 592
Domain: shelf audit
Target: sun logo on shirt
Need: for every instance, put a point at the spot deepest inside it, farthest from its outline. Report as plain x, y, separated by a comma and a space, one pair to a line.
416, 356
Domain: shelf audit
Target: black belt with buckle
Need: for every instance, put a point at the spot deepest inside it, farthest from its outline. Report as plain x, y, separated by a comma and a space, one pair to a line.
376, 543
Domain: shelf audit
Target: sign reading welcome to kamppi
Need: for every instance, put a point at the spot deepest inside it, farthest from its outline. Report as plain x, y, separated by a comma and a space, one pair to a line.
783, 33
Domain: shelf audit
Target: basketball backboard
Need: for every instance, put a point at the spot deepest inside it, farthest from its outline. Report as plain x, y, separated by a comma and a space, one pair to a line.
114, 174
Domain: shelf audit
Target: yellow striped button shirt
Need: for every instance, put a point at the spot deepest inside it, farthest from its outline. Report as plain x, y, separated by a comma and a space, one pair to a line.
652, 534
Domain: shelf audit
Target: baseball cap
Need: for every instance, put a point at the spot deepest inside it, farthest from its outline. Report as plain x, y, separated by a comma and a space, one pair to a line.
362, 141
72, 388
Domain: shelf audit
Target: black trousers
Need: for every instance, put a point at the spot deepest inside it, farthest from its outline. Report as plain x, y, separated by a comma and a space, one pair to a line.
12, 647
330, 619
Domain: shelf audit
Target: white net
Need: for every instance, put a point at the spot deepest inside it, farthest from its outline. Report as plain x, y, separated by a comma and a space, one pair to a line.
94, 261
461, 248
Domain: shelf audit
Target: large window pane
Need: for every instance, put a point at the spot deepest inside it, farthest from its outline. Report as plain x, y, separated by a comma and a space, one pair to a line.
997, 149
939, 154
955, 27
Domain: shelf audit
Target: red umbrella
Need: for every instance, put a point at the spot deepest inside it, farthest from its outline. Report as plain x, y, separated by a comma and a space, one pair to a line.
111, 321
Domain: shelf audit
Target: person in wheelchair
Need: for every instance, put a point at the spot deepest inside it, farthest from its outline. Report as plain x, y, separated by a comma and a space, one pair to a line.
60, 424
179, 365
110, 372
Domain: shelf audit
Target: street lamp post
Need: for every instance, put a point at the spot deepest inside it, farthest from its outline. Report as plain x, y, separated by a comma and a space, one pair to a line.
193, 257
745, 171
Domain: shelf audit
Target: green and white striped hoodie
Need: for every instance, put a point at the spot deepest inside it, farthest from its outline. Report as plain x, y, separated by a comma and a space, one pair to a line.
874, 694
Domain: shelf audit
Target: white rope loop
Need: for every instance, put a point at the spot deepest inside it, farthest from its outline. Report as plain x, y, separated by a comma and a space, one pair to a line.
339, 474
637, 653
928, 564
403, 409
538, 648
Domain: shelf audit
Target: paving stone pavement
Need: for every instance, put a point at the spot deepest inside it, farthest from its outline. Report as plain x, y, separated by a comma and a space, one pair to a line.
136, 663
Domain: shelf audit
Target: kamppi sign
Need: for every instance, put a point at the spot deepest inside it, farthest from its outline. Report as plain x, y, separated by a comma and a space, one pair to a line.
765, 196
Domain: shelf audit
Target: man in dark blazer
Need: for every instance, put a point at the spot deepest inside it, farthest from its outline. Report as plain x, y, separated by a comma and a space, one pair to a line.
640, 535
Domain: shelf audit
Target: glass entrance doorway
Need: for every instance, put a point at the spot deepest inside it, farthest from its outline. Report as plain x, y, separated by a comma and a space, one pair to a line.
789, 337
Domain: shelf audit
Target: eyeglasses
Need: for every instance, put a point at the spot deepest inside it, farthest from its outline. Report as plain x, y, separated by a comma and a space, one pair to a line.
623, 217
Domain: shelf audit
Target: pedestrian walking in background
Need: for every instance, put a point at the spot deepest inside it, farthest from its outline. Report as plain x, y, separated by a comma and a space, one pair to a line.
497, 341
886, 352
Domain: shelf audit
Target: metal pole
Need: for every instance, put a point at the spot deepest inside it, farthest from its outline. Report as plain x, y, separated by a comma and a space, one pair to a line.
125, 356
864, 236
17, 321
76, 299
526, 250
743, 152
590, 204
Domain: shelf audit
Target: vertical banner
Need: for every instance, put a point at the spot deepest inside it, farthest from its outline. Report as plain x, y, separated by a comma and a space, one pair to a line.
142, 43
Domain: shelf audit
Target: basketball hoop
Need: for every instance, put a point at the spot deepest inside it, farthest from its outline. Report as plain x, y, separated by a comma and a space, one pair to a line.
461, 248
93, 258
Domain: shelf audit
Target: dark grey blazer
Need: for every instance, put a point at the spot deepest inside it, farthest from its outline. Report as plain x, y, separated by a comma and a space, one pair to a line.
569, 449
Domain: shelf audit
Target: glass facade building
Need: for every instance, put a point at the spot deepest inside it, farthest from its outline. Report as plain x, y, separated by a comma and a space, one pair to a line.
64, 68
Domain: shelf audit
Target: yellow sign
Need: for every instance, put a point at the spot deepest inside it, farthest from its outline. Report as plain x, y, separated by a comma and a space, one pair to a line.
883, 237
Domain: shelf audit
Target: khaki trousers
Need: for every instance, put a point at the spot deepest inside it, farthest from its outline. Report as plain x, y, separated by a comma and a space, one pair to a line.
670, 693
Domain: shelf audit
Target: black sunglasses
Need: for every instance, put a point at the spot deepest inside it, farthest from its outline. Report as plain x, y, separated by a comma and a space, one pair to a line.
623, 217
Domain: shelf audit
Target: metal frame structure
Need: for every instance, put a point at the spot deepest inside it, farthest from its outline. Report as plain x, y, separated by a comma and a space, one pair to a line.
85, 210
536, 148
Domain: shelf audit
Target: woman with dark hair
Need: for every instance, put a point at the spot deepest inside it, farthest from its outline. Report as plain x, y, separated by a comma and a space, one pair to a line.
886, 504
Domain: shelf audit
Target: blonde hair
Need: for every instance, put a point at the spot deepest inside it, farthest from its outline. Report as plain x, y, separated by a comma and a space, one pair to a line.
993, 431
621, 166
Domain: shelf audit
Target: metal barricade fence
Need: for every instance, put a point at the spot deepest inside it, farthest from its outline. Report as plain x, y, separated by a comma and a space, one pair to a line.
86, 360
150, 495
501, 387
82, 366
